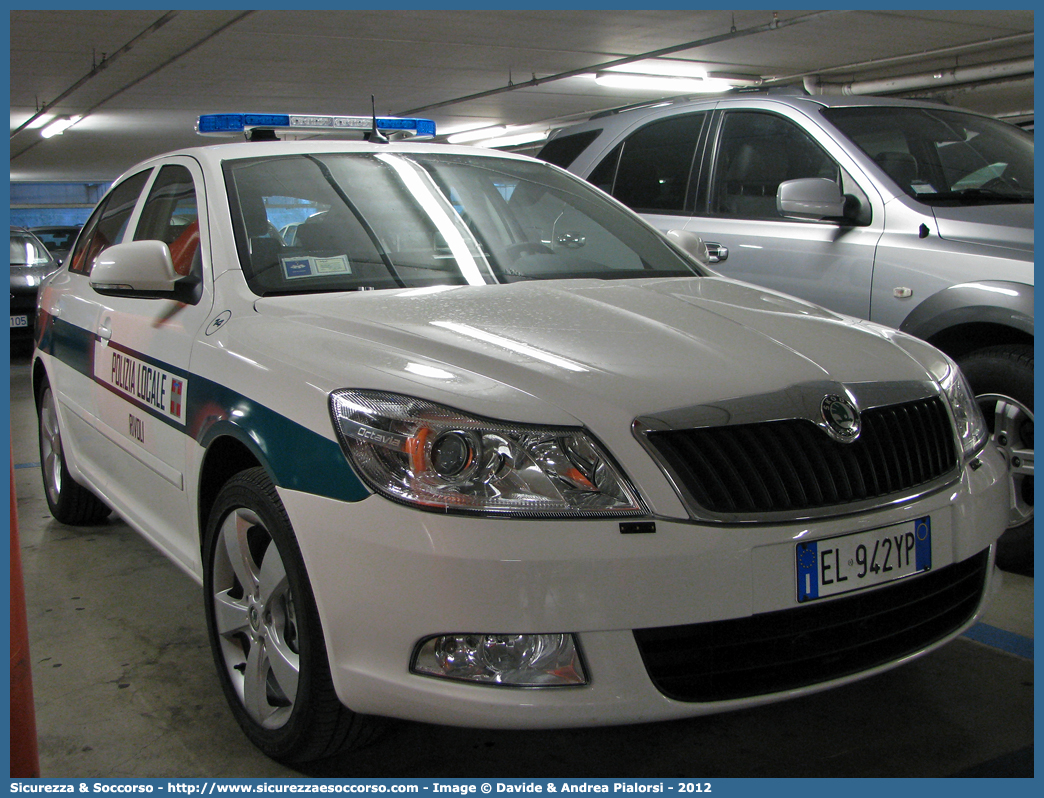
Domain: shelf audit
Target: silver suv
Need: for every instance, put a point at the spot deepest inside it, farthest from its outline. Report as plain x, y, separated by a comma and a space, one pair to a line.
914, 215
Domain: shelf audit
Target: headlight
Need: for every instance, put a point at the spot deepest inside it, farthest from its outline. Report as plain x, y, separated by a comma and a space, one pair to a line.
971, 426
438, 458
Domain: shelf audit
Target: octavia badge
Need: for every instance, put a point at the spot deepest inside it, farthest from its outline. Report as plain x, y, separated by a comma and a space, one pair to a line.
842, 419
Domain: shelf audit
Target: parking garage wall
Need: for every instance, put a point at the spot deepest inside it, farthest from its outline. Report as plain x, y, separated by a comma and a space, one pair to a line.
45, 204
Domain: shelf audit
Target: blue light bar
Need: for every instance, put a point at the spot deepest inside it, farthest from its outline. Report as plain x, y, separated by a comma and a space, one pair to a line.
230, 124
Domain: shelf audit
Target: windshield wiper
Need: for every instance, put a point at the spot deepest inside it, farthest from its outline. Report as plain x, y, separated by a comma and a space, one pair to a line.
370, 232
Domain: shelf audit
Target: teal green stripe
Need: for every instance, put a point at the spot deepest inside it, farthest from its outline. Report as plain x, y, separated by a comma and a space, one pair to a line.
72, 345
297, 458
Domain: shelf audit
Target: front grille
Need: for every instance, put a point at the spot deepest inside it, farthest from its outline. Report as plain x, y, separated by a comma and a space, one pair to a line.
792, 465
789, 649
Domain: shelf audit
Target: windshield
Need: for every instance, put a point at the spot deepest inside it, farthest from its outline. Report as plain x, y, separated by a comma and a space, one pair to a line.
360, 221
27, 251
941, 156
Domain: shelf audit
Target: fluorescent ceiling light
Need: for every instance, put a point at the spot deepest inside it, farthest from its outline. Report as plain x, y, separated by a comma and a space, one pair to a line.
476, 134
688, 85
736, 79
515, 140
40, 121
676, 68
452, 130
59, 126
668, 67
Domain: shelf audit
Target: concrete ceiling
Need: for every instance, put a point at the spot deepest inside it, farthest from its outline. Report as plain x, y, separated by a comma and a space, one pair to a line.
139, 79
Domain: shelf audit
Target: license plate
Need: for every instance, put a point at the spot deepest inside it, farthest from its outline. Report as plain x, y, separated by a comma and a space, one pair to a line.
852, 562
20, 320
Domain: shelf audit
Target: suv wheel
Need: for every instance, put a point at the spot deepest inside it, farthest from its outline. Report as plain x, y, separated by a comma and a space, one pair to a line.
1002, 378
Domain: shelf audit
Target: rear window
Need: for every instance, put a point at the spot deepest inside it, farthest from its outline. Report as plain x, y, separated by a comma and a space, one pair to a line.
58, 238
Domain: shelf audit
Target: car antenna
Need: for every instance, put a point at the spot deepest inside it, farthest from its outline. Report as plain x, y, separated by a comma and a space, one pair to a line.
373, 135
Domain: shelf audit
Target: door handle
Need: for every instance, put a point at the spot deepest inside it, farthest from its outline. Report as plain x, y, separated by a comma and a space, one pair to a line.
716, 253
104, 330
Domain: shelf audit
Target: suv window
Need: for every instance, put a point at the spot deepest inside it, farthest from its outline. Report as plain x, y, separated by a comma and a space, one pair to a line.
170, 216
650, 170
564, 150
107, 223
942, 156
756, 152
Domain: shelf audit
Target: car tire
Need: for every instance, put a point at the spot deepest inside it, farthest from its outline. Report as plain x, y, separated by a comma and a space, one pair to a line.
1002, 379
69, 502
267, 640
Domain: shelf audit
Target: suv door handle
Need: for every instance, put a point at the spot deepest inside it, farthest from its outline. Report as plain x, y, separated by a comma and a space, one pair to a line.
716, 253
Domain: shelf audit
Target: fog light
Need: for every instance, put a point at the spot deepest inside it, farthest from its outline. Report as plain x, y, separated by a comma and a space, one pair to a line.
519, 660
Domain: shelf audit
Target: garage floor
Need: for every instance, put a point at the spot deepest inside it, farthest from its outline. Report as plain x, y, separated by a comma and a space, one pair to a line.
125, 687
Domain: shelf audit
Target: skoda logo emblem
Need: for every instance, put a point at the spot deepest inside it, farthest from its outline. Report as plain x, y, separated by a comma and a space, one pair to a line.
842, 419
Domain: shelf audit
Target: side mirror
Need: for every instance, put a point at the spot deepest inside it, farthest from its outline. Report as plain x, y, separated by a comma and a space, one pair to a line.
813, 198
691, 244
143, 270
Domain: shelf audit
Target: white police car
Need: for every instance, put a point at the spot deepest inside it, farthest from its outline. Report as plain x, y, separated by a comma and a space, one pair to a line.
480, 447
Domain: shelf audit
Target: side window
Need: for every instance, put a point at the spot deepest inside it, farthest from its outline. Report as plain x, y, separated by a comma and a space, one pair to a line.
756, 152
565, 149
652, 173
107, 224
170, 216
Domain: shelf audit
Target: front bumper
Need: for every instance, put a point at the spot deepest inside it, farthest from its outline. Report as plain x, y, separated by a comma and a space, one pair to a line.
385, 576
23, 308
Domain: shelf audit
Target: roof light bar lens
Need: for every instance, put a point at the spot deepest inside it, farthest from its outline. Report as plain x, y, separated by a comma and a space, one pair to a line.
224, 124
237, 123
421, 127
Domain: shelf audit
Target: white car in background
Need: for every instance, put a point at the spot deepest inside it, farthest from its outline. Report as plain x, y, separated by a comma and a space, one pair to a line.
482, 448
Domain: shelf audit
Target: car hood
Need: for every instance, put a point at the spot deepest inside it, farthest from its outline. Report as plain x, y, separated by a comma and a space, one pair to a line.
27, 278
588, 347
1008, 226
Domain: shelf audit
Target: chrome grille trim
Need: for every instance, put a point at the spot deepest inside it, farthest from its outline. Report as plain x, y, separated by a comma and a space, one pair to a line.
789, 469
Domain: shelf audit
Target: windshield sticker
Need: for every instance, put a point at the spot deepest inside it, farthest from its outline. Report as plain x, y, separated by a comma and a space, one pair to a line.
920, 187
307, 266
141, 382
337, 265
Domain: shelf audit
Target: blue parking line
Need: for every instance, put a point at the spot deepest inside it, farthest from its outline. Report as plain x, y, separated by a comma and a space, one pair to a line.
999, 638
27, 465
